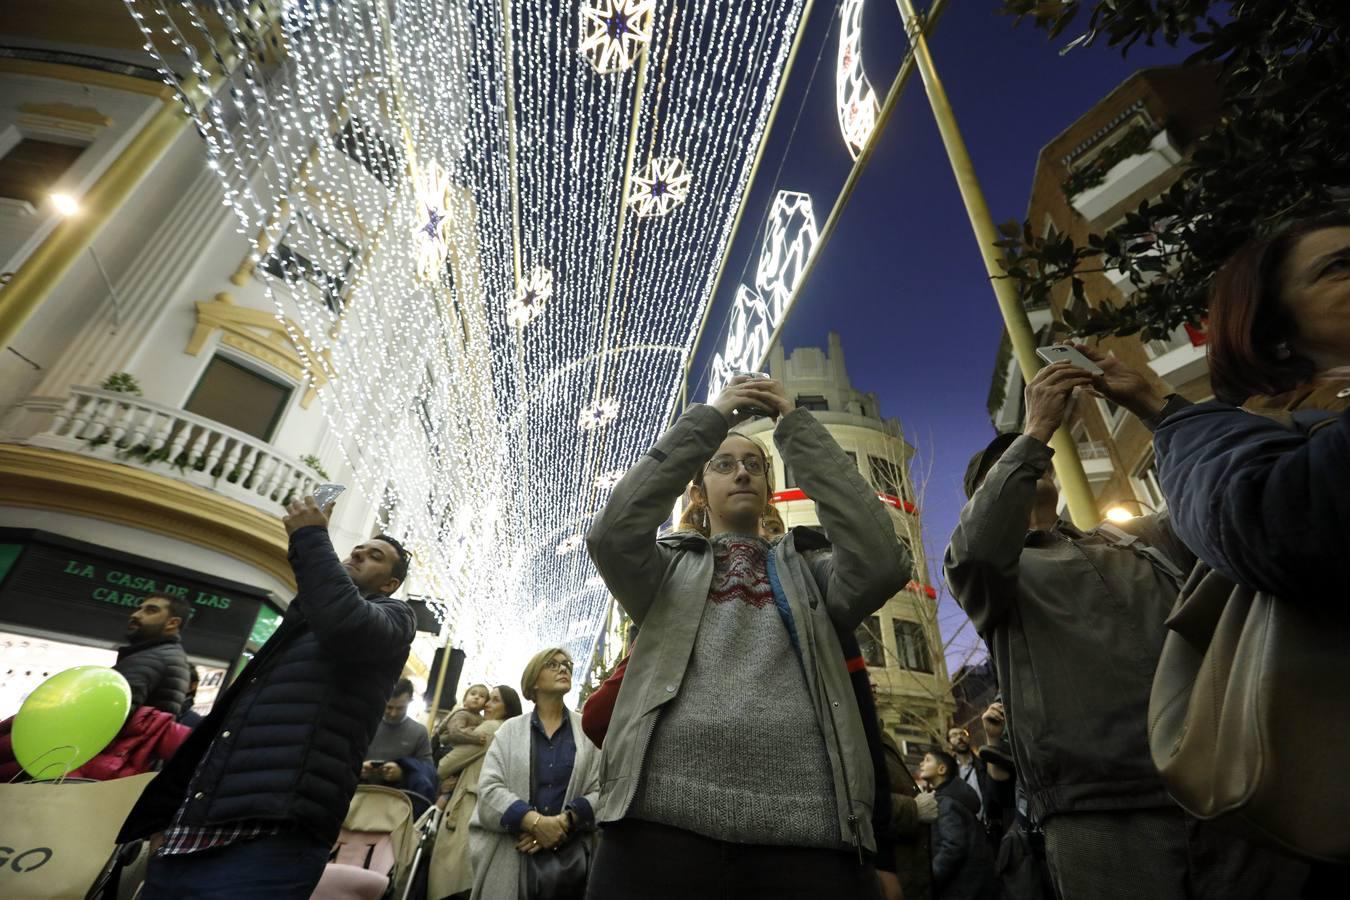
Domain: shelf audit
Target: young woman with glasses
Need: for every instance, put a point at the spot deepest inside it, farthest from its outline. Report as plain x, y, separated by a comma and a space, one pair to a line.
769, 795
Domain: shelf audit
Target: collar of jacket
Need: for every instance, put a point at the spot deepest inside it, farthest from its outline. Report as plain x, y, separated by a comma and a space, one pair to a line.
803, 538
137, 647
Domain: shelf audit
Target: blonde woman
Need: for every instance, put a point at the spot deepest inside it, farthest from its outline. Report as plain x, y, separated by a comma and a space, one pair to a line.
451, 873
537, 795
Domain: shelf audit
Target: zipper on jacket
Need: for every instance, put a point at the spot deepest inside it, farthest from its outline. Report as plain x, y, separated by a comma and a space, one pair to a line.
642, 762
843, 764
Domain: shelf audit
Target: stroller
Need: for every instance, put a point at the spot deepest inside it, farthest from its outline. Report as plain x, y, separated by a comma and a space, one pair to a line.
381, 852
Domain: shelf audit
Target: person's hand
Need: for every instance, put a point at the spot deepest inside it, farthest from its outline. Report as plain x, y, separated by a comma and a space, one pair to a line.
484, 738
994, 719
745, 392
391, 772
927, 804
550, 831
305, 512
1123, 384
366, 770
1047, 397
527, 843
156, 841
890, 885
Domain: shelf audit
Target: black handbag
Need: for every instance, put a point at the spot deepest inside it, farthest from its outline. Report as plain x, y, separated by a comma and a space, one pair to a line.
555, 874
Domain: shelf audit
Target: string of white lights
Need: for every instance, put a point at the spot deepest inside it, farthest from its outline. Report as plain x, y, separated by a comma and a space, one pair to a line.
387, 188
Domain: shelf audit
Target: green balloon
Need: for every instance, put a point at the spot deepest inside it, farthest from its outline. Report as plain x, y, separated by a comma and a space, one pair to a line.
68, 719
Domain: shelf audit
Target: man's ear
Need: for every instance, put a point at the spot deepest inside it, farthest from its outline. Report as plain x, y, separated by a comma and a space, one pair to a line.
173, 625
390, 586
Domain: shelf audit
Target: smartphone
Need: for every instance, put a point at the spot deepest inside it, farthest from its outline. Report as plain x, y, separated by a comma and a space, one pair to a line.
1069, 354
752, 412
325, 494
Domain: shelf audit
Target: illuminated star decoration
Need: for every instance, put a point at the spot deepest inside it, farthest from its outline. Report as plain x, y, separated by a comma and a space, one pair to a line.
855, 99
660, 186
614, 32
533, 292
605, 481
598, 414
433, 199
570, 544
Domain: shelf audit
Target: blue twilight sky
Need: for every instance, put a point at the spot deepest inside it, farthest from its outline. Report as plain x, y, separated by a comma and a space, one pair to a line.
901, 280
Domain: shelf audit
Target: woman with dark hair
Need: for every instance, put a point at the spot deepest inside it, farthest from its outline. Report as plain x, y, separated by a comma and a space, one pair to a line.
1263, 498
532, 834
450, 873
770, 795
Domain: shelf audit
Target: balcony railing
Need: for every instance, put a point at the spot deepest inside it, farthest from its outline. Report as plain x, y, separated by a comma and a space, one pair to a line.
1093, 450
126, 429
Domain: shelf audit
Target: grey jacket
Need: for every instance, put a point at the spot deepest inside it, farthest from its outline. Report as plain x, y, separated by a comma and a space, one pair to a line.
1075, 622
663, 585
157, 671
505, 779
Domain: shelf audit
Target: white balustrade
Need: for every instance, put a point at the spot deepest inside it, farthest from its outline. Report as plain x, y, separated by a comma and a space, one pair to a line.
127, 429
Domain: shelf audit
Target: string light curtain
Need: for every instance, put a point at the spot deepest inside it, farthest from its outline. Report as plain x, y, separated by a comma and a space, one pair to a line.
495, 226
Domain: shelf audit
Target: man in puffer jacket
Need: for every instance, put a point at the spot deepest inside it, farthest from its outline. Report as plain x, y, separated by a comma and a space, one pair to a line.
963, 864
251, 803
154, 663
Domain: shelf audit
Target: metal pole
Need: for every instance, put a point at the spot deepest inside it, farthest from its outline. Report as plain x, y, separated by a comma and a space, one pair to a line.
112, 291
1072, 479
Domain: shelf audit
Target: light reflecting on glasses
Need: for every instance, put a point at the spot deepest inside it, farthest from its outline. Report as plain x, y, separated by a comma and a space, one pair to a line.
554, 664
725, 465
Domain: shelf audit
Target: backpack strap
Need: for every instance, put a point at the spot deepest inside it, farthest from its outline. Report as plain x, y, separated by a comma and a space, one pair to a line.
1134, 544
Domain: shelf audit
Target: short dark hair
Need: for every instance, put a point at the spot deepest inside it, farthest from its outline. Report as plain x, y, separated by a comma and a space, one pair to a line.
1248, 321
401, 564
194, 675
403, 686
942, 757
178, 607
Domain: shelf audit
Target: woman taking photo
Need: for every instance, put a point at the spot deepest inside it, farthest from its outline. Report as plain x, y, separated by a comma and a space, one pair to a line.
531, 834
736, 763
451, 874
1262, 498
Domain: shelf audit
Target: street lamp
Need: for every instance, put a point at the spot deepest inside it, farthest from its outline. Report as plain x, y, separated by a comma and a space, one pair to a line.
1119, 513
68, 207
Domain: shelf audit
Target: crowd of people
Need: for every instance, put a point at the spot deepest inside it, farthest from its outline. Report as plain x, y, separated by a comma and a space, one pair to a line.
737, 750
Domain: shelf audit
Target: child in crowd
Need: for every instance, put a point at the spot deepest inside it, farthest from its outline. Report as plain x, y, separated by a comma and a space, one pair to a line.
963, 864
460, 729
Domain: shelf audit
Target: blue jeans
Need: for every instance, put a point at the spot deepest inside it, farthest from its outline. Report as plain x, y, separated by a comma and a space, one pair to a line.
277, 867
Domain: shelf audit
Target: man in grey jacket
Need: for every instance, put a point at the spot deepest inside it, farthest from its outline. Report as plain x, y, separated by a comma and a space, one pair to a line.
154, 663
1075, 621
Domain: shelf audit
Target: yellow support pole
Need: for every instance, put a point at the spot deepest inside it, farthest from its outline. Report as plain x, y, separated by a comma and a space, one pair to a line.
48, 264
1072, 479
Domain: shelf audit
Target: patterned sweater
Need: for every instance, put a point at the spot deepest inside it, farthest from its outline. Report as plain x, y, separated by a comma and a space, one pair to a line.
738, 755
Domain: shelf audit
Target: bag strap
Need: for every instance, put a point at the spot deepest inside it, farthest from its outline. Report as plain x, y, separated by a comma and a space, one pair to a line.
1134, 544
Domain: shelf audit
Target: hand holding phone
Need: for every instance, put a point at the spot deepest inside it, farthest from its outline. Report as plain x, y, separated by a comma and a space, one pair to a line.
325, 495
1069, 354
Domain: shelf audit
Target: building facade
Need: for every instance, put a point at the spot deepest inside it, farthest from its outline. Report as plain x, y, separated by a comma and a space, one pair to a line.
1128, 148
901, 642
157, 407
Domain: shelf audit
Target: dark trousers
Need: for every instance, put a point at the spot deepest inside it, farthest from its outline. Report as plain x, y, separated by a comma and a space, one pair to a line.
656, 862
279, 867
1161, 854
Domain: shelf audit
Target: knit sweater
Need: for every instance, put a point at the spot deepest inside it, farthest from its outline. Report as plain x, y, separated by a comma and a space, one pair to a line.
738, 755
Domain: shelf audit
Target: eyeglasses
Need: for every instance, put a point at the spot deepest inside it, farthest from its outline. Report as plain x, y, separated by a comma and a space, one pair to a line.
554, 664
726, 465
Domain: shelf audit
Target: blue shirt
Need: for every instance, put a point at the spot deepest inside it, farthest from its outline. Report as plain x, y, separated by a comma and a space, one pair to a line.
553, 759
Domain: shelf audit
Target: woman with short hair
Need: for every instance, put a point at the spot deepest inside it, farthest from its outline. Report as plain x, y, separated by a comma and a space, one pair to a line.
537, 794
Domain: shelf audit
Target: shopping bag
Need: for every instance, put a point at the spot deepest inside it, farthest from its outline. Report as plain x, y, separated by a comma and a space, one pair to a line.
56, 837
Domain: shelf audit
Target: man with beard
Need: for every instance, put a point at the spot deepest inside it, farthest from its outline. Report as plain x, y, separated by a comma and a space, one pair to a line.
154, 663
251, 803
400, 753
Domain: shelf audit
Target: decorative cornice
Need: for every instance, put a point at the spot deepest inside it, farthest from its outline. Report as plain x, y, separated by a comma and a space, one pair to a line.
276, 345
40, 478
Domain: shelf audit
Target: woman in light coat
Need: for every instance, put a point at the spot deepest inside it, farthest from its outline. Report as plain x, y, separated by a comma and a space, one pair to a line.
522, 812
451, 872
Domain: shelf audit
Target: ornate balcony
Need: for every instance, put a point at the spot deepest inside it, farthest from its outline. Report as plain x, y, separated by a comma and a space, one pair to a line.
125, 429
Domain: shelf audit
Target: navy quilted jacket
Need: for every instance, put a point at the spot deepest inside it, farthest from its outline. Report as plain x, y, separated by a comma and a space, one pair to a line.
285, 742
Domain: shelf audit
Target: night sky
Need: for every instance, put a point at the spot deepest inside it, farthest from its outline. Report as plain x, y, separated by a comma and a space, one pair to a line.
901, 280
